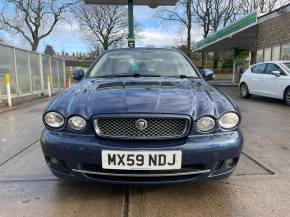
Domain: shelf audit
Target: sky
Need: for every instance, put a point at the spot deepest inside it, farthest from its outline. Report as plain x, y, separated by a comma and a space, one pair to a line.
67, 37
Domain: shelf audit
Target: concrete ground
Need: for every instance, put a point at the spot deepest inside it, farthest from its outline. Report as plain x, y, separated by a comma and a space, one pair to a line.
259, 187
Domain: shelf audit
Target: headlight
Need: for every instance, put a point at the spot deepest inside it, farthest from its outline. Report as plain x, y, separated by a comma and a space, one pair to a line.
77, 123
229, 120
205, 124
54, 119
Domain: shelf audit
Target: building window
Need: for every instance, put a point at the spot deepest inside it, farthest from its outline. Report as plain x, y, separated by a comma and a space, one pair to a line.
285, 52
276, 53
267, 54
260, 56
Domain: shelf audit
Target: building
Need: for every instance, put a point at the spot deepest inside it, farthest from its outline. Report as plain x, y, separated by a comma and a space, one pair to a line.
263, 37
273, 36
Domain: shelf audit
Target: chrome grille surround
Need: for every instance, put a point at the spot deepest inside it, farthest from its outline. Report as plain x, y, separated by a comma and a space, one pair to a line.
159, 126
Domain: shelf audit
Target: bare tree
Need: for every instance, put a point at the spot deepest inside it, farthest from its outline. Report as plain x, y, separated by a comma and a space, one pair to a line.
1, 31
222, 12
212, 15
263, 6
202, 14
33, 19
103, 24
182, 14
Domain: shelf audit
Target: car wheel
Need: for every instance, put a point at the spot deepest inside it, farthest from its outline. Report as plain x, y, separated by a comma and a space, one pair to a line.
244, 91
287, 96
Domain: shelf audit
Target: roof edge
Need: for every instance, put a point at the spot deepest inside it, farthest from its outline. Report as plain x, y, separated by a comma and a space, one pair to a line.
235, 27
275, 13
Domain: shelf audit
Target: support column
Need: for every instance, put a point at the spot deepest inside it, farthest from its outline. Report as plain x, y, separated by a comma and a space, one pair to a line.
41, 73
131, 37
64, 74
0, 95
236, 52
18, 92
234, 70
29, 70
50, 72
57, 66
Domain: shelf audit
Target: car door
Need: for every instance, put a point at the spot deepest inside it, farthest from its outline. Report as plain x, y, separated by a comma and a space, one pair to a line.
272, 85
254, 79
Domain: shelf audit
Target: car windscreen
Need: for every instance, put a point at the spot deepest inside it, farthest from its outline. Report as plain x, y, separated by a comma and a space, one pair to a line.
162, 63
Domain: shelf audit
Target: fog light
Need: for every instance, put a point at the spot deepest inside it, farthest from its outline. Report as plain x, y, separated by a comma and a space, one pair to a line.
229, 163
53, 161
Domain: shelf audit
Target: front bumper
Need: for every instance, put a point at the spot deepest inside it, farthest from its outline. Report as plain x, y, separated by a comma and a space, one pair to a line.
204, 157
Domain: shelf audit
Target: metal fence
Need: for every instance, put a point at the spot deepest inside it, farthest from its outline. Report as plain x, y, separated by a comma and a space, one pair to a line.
29, 72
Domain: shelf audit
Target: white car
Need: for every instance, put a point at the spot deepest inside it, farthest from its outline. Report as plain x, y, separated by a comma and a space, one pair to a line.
270, 79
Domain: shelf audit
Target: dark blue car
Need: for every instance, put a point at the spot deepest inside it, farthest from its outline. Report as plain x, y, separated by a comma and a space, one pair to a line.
142, 116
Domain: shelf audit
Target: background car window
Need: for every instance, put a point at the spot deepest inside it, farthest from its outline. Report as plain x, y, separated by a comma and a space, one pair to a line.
273, 67
259, 69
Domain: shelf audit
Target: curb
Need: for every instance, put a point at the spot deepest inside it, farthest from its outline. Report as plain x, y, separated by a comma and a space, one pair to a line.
23, 105
224, 84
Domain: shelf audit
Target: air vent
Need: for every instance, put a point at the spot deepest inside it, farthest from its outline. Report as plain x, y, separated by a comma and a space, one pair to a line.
167, 84
133, 84
142, 84
111, 85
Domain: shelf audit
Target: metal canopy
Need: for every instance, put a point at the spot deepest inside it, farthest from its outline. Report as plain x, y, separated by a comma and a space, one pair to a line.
245, 39
240, 34
136, 2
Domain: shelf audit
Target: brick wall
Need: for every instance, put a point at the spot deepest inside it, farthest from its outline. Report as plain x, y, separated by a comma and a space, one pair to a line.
273, 32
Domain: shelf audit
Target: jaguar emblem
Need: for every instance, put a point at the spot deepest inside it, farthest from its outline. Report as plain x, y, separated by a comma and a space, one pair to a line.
141, 124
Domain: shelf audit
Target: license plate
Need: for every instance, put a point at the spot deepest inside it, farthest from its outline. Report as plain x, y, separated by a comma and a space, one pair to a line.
141, 160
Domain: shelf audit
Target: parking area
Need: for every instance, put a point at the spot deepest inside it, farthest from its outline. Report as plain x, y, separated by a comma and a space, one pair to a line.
259, 187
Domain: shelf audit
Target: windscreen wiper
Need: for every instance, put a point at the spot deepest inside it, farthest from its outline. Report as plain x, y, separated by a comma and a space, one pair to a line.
180, 76
135, 75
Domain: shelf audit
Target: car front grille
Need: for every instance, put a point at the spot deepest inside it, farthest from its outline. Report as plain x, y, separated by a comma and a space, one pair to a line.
150, 128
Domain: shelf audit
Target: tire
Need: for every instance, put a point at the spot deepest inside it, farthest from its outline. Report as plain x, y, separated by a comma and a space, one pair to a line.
244, 91
287, 96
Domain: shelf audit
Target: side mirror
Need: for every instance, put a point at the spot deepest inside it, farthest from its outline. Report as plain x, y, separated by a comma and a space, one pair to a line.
78, 74
276, 73
207, 74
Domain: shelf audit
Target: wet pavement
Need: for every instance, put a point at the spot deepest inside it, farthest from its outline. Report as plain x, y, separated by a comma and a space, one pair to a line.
259, 187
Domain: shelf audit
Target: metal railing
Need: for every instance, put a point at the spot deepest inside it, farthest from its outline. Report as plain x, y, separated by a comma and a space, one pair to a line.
29, 72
